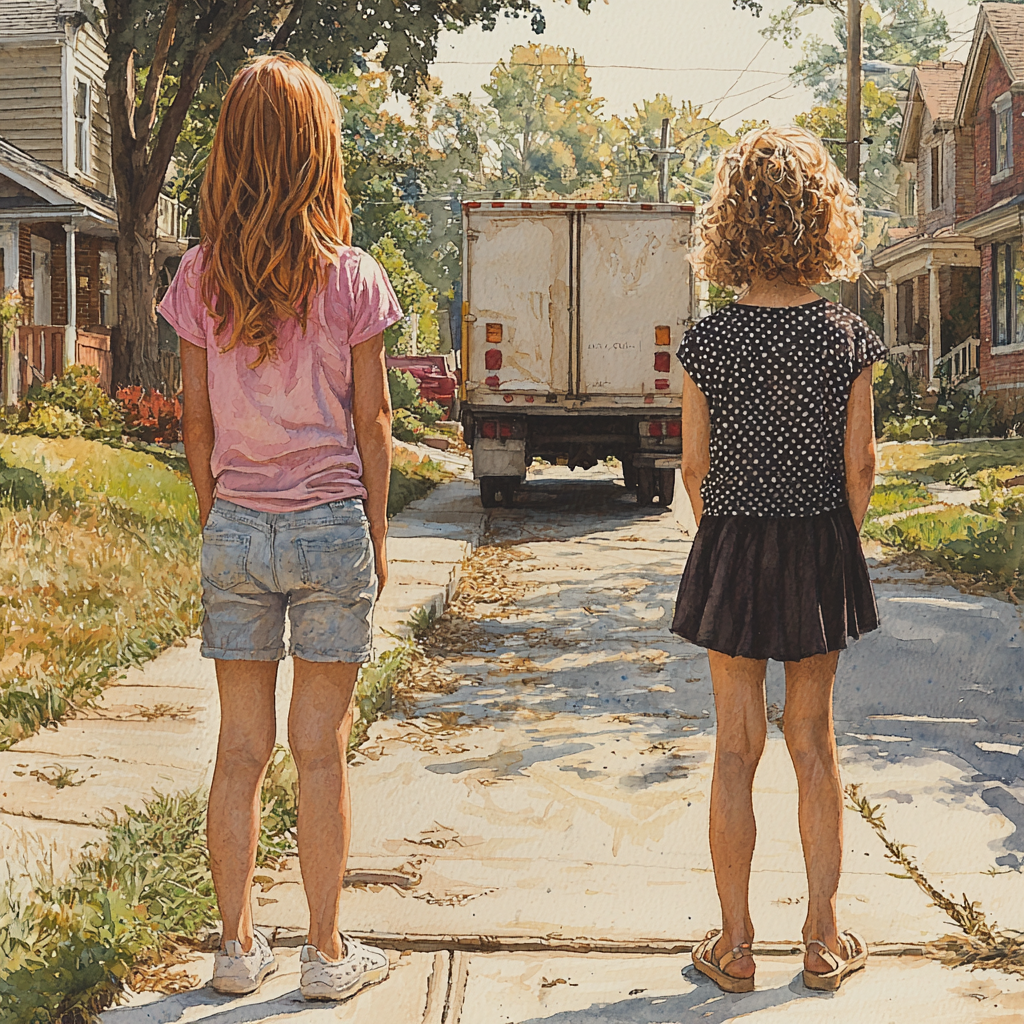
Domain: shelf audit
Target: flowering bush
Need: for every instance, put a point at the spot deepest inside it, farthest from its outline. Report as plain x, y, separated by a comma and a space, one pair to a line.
151, 415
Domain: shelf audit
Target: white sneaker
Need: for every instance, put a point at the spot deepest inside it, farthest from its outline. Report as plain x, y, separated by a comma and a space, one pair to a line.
325, 979
237, 973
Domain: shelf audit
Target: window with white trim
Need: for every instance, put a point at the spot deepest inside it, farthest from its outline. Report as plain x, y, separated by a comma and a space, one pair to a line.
1002, 136
936, 177
1008, 297
83, 133
108, 288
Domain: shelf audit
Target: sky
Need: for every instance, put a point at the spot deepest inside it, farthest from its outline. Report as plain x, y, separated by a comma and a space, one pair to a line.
703, 51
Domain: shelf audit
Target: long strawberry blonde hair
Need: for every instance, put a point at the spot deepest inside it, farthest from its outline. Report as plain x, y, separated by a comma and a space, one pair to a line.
273, 206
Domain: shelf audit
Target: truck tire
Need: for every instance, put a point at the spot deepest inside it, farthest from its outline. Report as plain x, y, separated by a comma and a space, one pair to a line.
628, 473
666, 486
498, 490
489, 488
645, 485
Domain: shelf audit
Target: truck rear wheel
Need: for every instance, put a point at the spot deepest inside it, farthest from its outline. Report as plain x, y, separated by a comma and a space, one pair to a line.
666, 486
645, 485
628, 473
498, 490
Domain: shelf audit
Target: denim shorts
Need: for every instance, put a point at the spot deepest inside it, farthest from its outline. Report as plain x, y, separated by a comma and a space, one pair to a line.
317, 565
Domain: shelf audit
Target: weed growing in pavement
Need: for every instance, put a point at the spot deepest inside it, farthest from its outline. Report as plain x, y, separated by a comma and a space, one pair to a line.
982, 945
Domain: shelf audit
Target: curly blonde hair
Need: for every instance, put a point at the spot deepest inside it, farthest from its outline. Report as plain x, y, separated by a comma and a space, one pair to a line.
779, 209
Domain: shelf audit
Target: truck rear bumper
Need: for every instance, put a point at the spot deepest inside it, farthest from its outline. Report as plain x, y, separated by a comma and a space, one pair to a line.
498, 458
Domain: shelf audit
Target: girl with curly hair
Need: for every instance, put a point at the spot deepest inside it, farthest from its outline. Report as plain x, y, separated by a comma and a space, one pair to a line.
287, 429
779, 464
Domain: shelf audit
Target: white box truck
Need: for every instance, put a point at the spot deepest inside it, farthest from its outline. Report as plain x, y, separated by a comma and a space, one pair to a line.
572, 314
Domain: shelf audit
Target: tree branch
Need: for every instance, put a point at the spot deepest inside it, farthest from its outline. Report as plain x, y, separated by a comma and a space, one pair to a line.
195, 65
145, 114
288, 26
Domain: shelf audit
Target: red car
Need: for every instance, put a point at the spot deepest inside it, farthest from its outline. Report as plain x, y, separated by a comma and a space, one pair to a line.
436, 376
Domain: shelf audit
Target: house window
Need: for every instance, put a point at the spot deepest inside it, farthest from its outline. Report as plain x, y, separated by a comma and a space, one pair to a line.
83, 103
1008, 300
1002, 136
936, 177
108, 288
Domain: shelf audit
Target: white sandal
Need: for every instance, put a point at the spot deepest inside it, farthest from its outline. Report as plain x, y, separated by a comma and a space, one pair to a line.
829, 981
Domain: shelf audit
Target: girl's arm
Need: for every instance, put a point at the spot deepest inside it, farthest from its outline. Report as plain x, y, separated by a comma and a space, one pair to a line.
696, 443
371, 413
860, 447
197, 425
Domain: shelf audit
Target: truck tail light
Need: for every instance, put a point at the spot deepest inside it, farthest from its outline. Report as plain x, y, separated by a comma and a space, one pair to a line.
661, 384
492, 359
661, 362
489, 428
663, 335
673, 428
506, 429
654, 428
494, 334
492, 382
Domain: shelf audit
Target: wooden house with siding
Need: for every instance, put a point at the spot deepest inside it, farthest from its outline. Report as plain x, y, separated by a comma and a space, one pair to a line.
990, 110
932, 275
58, 223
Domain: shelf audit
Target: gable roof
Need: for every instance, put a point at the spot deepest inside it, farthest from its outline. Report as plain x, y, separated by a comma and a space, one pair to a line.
999, 30
54, 188
934, 86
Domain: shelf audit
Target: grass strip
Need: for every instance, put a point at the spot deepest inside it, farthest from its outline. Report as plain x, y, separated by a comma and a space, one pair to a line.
138, 900
981, 944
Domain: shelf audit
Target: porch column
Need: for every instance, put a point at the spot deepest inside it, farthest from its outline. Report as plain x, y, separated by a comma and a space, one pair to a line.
934, 319
9, 247
890, 299
71, 330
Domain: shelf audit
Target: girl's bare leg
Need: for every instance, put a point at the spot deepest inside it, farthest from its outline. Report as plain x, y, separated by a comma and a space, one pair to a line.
319, 724
247, 728
810, 737
740, 737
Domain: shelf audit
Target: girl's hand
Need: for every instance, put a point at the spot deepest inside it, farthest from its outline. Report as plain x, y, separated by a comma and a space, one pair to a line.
380, 562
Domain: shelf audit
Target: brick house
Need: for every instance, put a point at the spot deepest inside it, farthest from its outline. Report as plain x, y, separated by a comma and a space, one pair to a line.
989, 111
932, 275
58, 223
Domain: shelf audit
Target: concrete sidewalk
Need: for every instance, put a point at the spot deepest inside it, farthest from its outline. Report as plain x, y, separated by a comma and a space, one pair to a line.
459, 988
155, 730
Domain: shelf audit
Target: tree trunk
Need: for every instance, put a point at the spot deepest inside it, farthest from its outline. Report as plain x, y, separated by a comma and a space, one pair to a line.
136, 355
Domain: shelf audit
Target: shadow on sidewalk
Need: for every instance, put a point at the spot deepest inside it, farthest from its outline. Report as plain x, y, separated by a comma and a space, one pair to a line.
705, 1003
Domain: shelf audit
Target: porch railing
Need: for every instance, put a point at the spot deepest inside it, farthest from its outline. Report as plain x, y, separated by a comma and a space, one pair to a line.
963, 360
39, 350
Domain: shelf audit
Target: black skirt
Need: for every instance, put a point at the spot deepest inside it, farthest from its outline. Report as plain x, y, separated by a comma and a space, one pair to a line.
779, 588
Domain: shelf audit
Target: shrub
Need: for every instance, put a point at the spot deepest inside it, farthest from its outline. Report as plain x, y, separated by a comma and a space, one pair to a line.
151, 416
928, 530
897, 394
405, 391
897, 495
77, 392
406, 426
913, 428
997, 551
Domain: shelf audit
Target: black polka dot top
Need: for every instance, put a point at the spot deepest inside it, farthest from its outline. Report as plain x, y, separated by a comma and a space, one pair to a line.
777, 381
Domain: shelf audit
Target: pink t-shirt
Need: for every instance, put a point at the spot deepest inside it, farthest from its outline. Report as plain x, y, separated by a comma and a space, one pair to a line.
284, 436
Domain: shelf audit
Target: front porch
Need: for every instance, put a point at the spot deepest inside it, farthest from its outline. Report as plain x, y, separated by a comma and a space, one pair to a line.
932, 297
57, 248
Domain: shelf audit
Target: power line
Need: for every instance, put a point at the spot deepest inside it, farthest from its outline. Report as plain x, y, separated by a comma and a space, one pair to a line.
587, 66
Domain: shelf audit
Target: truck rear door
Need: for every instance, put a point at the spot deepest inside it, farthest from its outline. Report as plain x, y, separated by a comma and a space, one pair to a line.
517, 300
634, 301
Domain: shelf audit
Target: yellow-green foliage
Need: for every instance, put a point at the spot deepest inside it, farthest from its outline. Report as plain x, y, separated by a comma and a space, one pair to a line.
103, 574
952, 460
897, 495
930, 530
412, 479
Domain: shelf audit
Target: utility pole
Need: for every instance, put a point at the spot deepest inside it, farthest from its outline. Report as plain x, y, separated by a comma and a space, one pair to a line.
853, 126
663, 158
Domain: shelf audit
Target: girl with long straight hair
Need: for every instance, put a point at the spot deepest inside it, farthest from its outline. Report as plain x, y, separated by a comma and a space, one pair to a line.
779, 464
287, 429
